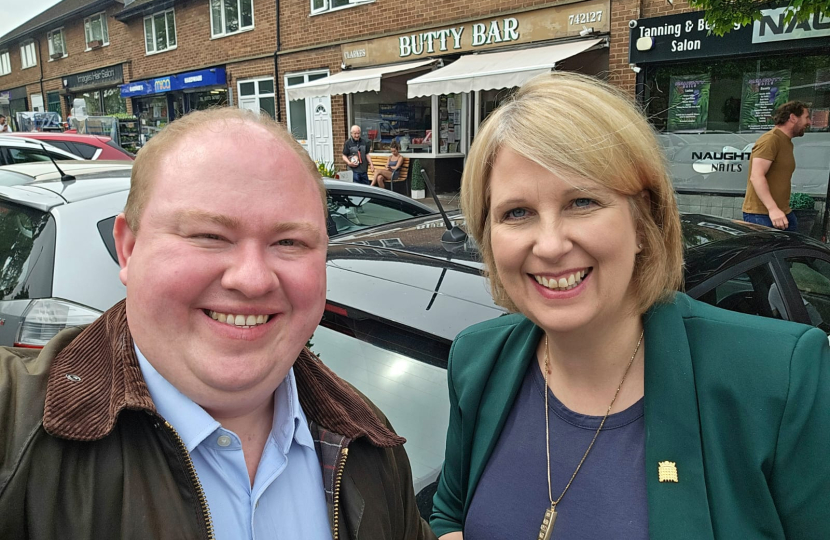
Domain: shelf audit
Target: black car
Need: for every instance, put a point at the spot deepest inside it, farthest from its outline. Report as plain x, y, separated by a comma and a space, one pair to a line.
397, 297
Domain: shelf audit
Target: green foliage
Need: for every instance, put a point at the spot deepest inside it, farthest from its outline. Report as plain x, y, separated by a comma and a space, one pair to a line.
802, 201
723, 15
326, 169
417, 177
123, 116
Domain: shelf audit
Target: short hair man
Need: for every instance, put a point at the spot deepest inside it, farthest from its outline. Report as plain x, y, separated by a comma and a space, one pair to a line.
4, 126
771, 168
356, 156
192, 409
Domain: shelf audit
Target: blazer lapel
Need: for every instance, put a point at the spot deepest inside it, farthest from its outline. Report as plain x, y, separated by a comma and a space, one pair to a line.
498, 396
676, 510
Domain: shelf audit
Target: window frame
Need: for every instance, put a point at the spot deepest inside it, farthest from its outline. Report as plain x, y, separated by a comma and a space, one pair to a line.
23, 56
104, 30
327, 3
5, 62
224, 32
49, 35
257, 95
152, 19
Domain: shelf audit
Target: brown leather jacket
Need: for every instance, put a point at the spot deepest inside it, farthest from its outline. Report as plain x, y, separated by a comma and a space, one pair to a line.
84, 454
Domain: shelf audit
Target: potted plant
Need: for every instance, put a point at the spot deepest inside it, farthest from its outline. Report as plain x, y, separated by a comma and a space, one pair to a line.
327, 169
417, 183
804, 208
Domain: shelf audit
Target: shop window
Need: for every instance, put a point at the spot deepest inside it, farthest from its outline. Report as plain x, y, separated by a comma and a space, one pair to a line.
92, 100
96, 32
160, 32
322, 6
231, 16
388, 115
28, 56
113, 102
449, 123
258, 95
736, 95
5, 63
57, 44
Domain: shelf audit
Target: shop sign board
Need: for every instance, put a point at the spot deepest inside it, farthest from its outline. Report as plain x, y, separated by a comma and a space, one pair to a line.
719, 162
560, 21
182, 81
15, 93
686, 36
97, 78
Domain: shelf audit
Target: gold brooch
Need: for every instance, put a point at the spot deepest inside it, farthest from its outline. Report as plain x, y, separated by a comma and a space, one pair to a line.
667, 471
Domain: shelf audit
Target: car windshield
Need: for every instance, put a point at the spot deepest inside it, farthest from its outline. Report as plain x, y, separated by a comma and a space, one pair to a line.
26, 238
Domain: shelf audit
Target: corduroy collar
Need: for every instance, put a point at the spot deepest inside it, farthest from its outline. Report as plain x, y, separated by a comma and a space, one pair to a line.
97, 375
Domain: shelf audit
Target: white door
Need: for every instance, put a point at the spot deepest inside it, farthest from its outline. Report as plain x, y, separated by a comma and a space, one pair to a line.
37, 102
321, 131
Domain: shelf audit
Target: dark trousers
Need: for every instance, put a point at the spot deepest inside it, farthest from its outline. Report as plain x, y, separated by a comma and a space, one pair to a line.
763, 219
360, 178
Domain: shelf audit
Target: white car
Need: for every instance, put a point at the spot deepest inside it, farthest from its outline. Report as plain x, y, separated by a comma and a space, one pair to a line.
15, 149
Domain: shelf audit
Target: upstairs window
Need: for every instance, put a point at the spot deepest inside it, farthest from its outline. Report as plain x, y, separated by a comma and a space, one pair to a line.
5, 63
57, 44
160, 32
321, 6
95, 29
28, 55
231, 16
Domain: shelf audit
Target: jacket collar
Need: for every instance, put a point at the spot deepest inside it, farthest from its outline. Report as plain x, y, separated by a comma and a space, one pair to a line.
96, 376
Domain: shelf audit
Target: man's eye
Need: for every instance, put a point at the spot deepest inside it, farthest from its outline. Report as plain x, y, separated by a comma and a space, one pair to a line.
516, 213
287, 242
208, 237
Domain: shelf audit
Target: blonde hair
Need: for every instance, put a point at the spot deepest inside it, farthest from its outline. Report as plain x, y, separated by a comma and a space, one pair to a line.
216, 120
578, 126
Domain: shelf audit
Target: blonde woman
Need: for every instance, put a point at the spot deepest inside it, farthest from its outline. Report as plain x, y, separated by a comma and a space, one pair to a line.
609, 406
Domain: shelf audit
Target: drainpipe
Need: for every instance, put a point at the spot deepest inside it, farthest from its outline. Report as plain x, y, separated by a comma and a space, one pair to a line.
40, 62
277, 100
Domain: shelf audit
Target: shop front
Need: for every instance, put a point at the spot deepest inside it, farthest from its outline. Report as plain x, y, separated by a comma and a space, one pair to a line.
11, 102
430, 90
98, 88
711, 97
156, 102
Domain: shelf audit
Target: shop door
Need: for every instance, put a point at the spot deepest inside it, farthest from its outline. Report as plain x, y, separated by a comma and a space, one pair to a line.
323, 149
37, 102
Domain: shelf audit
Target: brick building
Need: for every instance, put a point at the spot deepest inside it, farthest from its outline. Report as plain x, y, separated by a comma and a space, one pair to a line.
74, 49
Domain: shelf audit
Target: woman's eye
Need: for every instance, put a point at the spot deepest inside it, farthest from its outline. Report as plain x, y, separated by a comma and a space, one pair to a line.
516, 213
583, 203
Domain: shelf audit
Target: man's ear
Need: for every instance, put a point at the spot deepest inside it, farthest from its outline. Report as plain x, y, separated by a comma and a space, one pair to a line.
124, 244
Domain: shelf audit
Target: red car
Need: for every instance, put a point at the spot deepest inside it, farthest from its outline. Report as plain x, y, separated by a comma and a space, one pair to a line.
85, 146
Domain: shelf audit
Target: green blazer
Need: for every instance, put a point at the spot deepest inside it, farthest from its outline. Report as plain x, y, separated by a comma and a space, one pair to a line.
740, 403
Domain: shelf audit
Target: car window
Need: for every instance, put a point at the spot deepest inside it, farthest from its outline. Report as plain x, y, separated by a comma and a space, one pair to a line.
86, 151
753, 292
27, 245
64, 145
812, 278
27, 155
105, 230
351, 212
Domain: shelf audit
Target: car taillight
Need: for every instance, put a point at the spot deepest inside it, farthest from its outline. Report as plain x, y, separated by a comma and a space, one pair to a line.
45, 317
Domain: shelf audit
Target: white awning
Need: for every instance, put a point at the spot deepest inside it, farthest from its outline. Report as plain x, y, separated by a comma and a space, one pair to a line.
489, 71
351, 81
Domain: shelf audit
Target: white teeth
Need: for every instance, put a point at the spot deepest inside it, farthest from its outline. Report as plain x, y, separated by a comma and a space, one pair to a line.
244, 321
564, 283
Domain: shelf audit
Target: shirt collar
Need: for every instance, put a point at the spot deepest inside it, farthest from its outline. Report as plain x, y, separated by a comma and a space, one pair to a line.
194, 424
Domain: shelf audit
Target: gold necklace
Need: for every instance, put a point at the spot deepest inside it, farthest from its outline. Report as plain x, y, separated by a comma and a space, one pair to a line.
550, 514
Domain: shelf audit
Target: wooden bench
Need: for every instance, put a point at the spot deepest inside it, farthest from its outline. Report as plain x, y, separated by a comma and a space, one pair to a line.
379, 162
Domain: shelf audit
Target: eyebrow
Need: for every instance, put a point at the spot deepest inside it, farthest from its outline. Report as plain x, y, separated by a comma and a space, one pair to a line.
233, 223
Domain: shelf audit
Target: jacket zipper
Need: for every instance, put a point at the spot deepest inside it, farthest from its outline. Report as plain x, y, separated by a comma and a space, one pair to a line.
194, 479
344, 453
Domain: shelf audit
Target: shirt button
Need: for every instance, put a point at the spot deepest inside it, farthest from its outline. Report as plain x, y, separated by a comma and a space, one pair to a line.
223, 440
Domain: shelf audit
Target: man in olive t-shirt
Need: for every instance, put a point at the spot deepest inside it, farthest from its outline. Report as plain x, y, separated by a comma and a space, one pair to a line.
771, 168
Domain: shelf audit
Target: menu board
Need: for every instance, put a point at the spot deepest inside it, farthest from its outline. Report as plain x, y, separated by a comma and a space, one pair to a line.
763, 92
689, 102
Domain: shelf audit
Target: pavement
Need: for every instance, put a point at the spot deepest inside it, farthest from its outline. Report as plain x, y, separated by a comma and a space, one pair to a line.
450, 201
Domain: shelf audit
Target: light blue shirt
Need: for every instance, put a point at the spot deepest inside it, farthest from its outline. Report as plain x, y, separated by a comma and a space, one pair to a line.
286, 501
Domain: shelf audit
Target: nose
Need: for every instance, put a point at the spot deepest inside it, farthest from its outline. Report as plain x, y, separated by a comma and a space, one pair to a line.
249, 272
552, 238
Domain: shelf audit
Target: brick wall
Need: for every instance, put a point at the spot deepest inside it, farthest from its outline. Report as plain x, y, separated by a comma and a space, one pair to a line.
195, 49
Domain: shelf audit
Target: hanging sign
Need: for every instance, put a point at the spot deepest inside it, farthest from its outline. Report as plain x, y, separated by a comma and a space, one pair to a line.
689, 102
763, 92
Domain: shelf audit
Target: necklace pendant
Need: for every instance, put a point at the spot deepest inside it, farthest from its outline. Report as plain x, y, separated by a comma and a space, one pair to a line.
547, 524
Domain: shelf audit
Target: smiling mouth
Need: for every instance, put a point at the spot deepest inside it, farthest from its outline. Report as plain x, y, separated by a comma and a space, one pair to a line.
565, 283
238, 320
